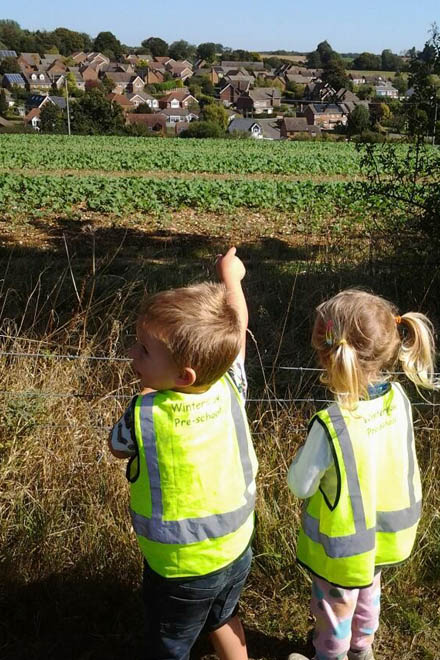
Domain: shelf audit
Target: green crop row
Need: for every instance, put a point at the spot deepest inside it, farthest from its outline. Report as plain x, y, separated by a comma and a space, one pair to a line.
131, 194
46, 152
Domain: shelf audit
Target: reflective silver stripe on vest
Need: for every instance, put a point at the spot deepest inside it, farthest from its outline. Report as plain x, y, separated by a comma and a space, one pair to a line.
190, 530
354, 488
364, 540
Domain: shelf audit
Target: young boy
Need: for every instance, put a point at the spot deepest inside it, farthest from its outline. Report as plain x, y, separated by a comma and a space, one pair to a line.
192, 465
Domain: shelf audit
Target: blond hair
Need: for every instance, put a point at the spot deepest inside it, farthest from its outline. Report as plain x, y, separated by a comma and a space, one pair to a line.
356, 336
199, 327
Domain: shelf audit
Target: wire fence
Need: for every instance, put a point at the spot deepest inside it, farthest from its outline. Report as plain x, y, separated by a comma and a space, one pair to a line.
269, 399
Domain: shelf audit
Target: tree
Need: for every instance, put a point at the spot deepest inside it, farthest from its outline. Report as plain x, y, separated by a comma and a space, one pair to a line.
181, 50
215, 113
156, 46
367, 62
93, 114
69, 41
206, 51
400, 83
203, 129
9, 65
390, 61
358, 120
52, 119
106, 41
326, 52
407, 189
143, 109
3, 103
334, 73
10, 34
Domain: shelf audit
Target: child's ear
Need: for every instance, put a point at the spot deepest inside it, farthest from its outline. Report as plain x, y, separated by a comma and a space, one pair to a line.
187, 377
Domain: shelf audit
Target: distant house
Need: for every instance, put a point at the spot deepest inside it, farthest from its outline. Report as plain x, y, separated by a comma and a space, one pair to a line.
179, 98
181, 71
260, 99
319, 92
155, 123
250, 126
11, 80
88, 73
174, 115
210, 73
153, 76
29, 61
298, 79
37, 80
326, 116
7, 53
123, 82
386, 90
121, 100
230, 92
79, 57
39, 100
33, 119
254, 66
142, 97
292, 126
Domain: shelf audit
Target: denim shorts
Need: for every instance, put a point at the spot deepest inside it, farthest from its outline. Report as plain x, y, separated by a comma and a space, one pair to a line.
178, 610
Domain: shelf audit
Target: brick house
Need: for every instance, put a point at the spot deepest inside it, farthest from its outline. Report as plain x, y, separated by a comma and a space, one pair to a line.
230, 93
122, 101
260, 99
142, 97
153, 76
124, 82
155, 123
88, 73
179, 98
326, 116
37, 80
174, 115
292, 126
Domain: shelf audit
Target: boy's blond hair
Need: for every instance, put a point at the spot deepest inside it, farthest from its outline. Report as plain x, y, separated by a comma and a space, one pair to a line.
199, 327
357, 337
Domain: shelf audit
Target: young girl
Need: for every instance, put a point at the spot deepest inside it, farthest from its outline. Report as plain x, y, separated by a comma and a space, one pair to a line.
358, 468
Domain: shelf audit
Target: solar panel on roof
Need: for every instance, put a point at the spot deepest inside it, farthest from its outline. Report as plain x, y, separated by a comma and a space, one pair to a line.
7, 53
14, 78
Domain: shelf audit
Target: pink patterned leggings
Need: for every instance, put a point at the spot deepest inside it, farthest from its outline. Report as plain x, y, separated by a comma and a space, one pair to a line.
345, 618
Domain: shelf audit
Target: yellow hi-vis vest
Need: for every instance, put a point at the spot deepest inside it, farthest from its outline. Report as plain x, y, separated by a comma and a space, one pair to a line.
372, 519
192, 502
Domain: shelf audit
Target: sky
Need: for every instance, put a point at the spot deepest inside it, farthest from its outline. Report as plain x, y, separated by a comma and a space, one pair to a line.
258, 25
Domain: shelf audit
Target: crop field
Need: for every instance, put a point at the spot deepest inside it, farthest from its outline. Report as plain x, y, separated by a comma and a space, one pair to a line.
87, 226
177, 155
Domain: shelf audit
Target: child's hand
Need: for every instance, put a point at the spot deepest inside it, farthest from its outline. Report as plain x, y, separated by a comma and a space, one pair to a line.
230, 269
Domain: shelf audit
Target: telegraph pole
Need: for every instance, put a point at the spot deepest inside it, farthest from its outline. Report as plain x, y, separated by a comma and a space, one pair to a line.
67, 106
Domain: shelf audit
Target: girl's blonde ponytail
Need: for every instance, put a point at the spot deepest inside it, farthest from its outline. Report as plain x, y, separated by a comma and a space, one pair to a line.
345, 372
417, 350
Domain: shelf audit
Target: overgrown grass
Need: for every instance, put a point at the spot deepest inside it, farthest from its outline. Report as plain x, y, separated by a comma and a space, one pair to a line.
69, 563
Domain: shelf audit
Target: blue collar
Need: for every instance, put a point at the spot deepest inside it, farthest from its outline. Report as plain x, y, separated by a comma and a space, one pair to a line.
379, 389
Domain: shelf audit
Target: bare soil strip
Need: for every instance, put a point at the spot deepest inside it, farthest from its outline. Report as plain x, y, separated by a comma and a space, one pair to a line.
167, 174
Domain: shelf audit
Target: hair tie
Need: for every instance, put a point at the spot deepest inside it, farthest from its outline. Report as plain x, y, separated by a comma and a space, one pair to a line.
341, 342
398, 320
329, 333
